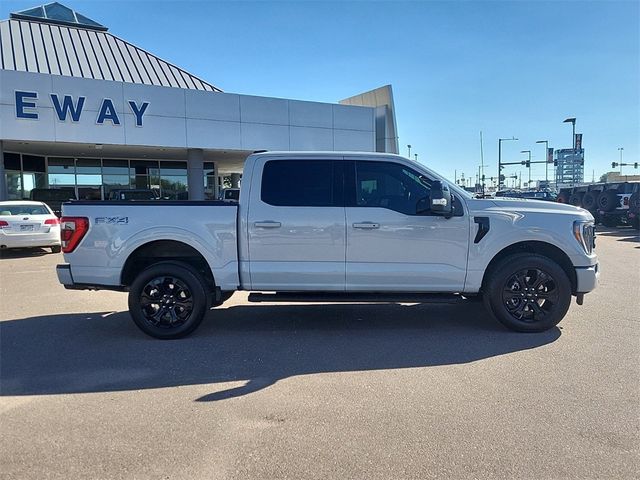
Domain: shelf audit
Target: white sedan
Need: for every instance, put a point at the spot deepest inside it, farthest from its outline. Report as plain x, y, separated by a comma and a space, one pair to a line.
25, 224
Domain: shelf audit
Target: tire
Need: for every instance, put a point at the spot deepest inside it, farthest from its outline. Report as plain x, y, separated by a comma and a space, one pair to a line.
608, 200
589, 201
56, 249
576, 199
506, 296
634, 203
168, 300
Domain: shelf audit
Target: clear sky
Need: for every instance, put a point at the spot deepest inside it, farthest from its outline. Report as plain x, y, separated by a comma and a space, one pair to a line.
515, 68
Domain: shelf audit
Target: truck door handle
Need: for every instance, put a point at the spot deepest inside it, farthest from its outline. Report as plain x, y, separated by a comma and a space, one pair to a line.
366, 225
267, 224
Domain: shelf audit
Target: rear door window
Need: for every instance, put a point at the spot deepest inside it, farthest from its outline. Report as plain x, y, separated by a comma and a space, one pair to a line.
303, 183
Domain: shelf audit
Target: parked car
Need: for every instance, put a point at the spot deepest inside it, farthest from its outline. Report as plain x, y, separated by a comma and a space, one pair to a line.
25, 224
333, 225
53, 197
133, 194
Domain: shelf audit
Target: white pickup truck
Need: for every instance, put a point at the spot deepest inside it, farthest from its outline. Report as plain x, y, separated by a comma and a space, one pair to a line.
332, 226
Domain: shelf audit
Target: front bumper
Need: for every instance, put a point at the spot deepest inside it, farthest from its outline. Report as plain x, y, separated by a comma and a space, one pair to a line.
587, 278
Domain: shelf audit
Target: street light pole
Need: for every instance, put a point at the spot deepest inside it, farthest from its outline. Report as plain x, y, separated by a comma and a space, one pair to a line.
500, 140
409, 147
572, 121
546, 158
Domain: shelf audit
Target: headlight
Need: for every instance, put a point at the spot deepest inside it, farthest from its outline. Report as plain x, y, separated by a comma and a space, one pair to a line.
585, 233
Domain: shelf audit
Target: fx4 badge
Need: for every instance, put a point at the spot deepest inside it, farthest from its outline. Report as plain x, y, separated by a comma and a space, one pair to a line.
112, 220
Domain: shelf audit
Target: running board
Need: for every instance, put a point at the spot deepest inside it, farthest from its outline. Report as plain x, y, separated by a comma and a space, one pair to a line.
355, 297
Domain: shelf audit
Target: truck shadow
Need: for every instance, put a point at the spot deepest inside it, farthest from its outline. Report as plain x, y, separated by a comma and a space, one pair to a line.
259, 345
623, 234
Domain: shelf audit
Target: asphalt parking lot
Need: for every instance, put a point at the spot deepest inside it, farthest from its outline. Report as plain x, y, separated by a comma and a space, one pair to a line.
306, 391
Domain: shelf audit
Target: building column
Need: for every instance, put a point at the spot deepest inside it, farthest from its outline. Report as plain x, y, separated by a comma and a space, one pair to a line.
195, 173
235, 180
4, 194
216, 186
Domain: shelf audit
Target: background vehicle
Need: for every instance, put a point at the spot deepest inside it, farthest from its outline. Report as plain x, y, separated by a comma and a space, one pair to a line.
230, 194
133, 194
608, 202
53, 197
339, 225
25, 224
533, 195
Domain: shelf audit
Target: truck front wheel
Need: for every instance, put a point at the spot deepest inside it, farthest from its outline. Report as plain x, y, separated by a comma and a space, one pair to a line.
168, 300
528, 293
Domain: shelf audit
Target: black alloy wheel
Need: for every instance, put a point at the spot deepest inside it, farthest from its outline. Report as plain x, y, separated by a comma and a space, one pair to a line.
527, 292
530, 294
168, 300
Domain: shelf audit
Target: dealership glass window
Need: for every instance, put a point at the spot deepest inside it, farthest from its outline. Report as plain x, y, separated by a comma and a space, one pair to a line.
62, 171
14, 184
115, 167
144, 167
174, 187
62, 165
88, 171
12, 161
209, 180
173, 168
33, 163
59, 179
90, 166
115, 182
31, 180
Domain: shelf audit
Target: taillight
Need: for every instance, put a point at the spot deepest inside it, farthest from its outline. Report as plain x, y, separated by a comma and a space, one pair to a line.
72, 230
3, 224
52, 221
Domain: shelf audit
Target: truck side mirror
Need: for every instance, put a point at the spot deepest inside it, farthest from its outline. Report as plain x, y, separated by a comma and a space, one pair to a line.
441, 199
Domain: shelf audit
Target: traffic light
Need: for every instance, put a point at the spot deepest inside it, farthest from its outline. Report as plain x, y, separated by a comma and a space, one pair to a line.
528, 164
614, 164
555, 163
635, 165
501, 178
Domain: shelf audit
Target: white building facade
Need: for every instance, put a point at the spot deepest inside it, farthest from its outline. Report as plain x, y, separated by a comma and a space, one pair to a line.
81, 108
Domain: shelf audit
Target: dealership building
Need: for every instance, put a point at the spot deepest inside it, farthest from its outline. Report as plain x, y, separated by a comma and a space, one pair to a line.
82, 108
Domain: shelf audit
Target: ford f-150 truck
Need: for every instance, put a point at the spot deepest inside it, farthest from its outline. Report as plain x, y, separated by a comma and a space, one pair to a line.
332, 226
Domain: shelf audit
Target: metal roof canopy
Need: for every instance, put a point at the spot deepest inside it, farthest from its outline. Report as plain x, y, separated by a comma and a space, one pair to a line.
73, 45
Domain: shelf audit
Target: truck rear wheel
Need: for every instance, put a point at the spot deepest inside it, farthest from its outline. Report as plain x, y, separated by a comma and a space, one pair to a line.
608, 200
589, 200
528, 293
576, 199
168, 300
